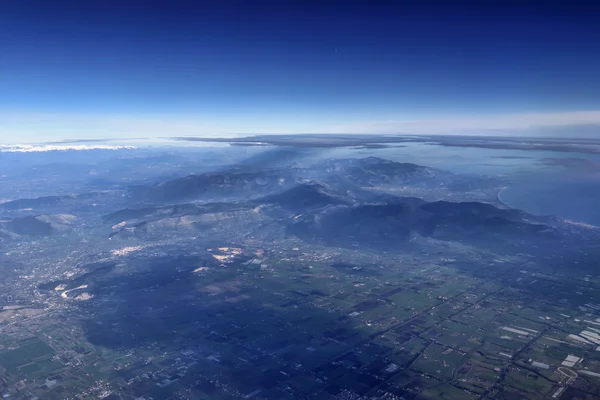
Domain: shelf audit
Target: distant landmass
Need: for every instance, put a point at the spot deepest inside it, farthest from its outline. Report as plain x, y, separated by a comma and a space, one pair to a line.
581, 145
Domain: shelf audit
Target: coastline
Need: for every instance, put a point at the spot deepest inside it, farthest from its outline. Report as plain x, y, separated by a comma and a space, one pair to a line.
564, 219
499, 198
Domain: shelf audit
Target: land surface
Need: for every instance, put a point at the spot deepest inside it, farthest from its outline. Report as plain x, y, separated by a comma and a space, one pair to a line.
588, 145
352, 278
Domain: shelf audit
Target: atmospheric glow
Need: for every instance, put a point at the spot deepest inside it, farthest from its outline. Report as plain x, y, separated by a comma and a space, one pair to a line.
100, 71
19, 128
509, 123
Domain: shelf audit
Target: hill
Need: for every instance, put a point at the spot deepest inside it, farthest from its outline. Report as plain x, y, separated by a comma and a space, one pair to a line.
38, 225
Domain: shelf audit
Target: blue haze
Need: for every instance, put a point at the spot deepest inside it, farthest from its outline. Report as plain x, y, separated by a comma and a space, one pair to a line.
291, 60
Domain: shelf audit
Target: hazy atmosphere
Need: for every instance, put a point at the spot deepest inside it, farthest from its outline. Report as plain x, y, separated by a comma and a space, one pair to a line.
299, 200
98, 69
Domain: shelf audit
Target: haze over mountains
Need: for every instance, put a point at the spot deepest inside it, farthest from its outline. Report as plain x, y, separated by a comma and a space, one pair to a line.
340, 173
138, 254
341, 201
348, 201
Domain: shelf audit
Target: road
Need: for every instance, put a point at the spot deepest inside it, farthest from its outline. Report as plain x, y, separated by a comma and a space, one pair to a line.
570, 375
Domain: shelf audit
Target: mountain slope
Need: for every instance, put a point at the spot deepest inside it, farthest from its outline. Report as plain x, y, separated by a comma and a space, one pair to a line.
375, 171
304, 197
398, 221
38, 225
232, 184
240, 183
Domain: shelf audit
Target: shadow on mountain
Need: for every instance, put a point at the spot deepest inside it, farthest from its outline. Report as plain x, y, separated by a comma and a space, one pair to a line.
37, 225
88, 203
258, 175
394, 223
241, 183
305, 197
377, 171
321, 213
216, 186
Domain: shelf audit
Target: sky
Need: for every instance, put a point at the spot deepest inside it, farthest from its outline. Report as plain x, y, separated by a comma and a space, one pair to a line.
104, 69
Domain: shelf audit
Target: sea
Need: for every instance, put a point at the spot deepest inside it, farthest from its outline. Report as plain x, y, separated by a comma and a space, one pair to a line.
564, 184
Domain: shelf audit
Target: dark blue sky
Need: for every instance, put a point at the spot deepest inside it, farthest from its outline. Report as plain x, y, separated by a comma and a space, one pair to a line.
294, 65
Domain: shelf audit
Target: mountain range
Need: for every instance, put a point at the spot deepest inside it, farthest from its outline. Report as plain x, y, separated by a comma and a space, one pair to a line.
331, 201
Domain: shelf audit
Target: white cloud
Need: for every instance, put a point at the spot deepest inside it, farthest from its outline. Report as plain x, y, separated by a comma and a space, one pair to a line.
26, 127
25, 148
29, 127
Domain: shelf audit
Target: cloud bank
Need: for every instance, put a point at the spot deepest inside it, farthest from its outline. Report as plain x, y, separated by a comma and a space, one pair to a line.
38, 128
25, 148
507, 124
